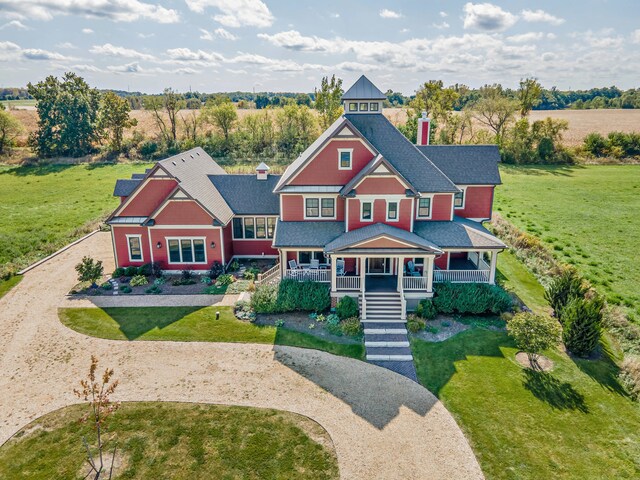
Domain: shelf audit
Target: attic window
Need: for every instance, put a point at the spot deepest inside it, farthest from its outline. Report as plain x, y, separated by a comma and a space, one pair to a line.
344, 158
353, 107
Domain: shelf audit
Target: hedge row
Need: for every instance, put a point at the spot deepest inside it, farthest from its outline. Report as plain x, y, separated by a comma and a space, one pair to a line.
465, 298
291, 295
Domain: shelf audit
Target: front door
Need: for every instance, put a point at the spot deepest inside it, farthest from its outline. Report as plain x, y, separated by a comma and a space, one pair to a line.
378, 265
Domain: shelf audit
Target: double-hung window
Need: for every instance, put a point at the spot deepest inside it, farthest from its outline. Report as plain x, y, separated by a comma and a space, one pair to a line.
135, 247
392, 211
320, 207
261, 227
344, 158
366, 214
373, 107
328, 207
312, 206
353, 107
458, 199
424, 207
186, 250
250, 228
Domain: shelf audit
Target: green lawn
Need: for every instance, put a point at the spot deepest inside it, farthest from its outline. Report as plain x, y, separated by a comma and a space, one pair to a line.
177, 441
6, 285
588, 215
515, 277
191, 324
44, 207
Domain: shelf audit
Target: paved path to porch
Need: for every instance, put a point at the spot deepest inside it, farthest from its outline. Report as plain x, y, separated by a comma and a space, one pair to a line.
383, 425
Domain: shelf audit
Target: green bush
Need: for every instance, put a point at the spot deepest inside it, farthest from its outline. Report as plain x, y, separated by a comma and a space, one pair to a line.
426, 309
347, 307
146, 270
154, 290
249, 275
159, 281
225, 279
130, 271
187, 275
156, 270
415, 324
89, 270
351, 326
126, 289
306, 296
582, 324
564, 288
118, 272
473, 298
138, 280
333, 324
106, 286
216, 270
265, 299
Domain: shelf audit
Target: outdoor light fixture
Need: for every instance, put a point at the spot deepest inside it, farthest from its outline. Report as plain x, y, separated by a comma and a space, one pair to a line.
159, 245
213, 244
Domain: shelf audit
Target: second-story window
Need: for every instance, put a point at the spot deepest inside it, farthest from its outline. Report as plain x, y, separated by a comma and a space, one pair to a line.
320, 207
367, 212
344, 158
392, 211
312, 206
458, 200
424, 208
328, 207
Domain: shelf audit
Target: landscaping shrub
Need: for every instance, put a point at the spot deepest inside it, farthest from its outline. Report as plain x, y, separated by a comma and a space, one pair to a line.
126, 289
333, 324
474, 298
426, 309
225, 279
89, 270
154, 290
206, 280
130, 271
179, 281
118, 272
351, 326
534, 333
186, 275
138, 280
216, 270
347, 307
265, 299
582, 324
106, 286
146, 270
156, 270
630, 376
415, 324
159, 281
249, 275
564, 288
306, 296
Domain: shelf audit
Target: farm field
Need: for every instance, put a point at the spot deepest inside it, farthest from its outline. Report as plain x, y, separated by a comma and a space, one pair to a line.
587, 215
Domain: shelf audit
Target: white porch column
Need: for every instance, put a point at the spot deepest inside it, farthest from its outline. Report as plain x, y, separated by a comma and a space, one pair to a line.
428, 268
283, 263
363, 271
492, 271
400, 272
333, 273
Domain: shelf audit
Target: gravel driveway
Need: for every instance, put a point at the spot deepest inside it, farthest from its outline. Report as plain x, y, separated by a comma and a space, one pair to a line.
383, 425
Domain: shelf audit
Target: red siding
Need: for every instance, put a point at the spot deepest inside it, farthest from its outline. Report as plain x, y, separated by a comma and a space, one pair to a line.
441, 261
228, 242
122, 248
441, 208
380, 186
255, 248
323, 169
161, 255
477, 203
183, 212
293, 209
380, 214
149, 198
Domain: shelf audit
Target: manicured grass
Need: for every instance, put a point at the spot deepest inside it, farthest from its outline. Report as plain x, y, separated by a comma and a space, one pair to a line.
44, 207
191, 324
516, 278
6, 285
587, 215
177, 441
571, 423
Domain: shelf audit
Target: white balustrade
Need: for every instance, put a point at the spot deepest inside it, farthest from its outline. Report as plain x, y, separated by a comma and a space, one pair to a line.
302, 274
414, 283
461, 276
348, 283
270, 276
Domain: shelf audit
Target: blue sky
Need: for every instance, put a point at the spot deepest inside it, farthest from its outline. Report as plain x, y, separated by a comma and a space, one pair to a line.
225, 45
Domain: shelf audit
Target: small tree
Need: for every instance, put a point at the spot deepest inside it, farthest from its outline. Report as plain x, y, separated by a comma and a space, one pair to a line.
10, 128
582, 322
89, 270
329, 100
567, 286
114, 118
98, 393
533, 334
495, 110
529, 95
168, 104
222, 115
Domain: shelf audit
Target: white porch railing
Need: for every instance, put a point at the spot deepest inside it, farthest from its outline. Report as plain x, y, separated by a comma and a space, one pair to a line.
348, 283
270, 276
414, 283
461, 276
302, 274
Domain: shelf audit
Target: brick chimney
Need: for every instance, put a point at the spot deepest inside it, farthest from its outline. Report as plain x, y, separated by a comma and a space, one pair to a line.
263, 171
424, 128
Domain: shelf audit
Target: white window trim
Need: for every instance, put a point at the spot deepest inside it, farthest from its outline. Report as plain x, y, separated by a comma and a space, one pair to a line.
349, 103
397, 219
255, 229
319, 198
421, 217
139, 237
362, 219
363, 103
350, 151
464, 198
374, 103
181, 262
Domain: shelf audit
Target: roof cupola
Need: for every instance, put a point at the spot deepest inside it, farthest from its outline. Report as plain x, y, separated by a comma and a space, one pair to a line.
363, 97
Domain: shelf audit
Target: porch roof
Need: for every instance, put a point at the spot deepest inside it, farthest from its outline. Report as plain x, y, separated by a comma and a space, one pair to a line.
306, 234
461, 233
350, 240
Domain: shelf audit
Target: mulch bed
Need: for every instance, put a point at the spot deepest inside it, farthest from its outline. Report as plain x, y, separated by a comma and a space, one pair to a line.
299, 322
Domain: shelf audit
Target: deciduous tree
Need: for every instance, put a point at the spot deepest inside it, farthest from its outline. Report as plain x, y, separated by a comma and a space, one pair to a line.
534, 333
329, 100
529, 95
495, 110
10, 128
114, 118
222, 115
168, 104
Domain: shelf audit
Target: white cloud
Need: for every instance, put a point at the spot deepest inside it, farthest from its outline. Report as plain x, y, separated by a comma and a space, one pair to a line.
133, 67
548, 56
14, 24
198, 56
334, 15
444, 14
146, 35
67, 45
39, 54
526, 37
116, 10
603, 38
486, 16
9, 51
635, 36
541, 16
87, 31
441, 25
85, 68
236, 13
123, 52
293, 40
386, 13
217, 33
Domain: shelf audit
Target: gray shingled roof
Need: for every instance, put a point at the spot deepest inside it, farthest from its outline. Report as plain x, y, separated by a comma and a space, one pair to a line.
461, 233
306, 234
466, 164
138, 176
401, 153
124, 187
371, 232
368, 169
246, 195
363, 89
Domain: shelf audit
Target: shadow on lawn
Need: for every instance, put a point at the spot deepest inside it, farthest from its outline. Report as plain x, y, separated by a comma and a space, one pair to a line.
134, 325
48, 169
559, 395
374, 394
603, 370
537, 170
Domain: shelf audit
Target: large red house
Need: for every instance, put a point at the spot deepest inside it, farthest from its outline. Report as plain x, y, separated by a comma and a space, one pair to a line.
362, 209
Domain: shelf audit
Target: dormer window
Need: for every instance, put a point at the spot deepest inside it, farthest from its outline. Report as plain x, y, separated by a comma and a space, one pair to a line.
364, 107
353, 107
373, 107
344, 158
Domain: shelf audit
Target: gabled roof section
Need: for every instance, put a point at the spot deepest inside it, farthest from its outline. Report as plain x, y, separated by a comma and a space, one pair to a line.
306, 234
314, 148
417, 169
379, 230
460, 233
466, 164
363, 89
370, 169
124, 187
246, 195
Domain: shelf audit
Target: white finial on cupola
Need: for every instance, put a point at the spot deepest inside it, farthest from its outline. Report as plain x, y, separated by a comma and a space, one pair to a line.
424, 127
263, 171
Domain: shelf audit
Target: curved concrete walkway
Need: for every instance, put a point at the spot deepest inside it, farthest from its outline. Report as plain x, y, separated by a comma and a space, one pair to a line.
383, 425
